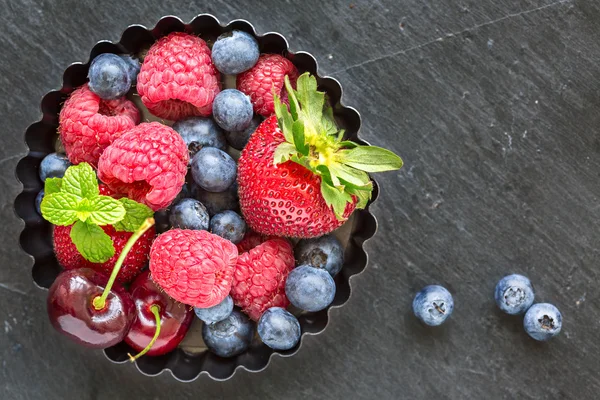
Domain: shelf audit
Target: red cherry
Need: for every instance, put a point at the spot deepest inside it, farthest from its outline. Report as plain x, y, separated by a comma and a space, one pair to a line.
72, 313
175, 318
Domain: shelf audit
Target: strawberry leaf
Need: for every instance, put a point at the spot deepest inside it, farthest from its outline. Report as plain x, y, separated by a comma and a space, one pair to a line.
335, 199
136, 214
283, 152
105, 210
284, 118
60, 208
328, 121
80, 180
348, 144
52, 185
371, 159
349, 174
299, 142
293, 100
363, 195
92, 242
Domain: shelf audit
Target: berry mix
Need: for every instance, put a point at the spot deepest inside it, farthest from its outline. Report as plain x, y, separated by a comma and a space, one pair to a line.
158, 223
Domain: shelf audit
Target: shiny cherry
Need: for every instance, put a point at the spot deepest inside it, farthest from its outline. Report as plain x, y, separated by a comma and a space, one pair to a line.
152, 304
72, 312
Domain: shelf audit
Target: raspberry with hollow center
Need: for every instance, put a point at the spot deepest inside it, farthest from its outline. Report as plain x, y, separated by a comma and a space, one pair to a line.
267, 75
88, 124
259, 277
178, 78
148, 163
194, 267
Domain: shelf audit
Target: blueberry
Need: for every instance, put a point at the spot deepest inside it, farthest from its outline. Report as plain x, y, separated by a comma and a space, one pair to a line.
198, 132
38, 201
514, 294
229, 225
133, 67
433, 304
542, 321
232, 110
217, 202
189, 214
310, 289
279, 329
213, 169
109, 76
54, 165
229, 337
324, 252
216, 313
239, 139
235, 52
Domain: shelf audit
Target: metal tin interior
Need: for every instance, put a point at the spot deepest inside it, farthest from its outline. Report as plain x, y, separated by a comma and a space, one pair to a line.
36, 238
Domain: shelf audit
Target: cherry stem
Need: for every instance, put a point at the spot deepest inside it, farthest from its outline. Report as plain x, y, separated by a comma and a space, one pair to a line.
156, 311
100, 302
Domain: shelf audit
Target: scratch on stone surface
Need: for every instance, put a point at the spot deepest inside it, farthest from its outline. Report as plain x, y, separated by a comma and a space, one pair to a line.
473, 371
12, 289
450, 35
5, 159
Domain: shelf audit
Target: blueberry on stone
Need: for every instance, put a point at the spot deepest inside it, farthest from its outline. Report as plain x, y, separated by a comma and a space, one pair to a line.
542, 321
310, 289
433, 305
189, 214
109, 76
279, 329
234, 52
213, 169
232, 110
514, 294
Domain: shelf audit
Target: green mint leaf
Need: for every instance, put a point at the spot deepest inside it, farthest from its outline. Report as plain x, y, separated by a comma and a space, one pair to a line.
349, 174
283, 152
135, 214
80, 180
52, 185
371, 159
92, 242
293, 100
284, 118
104, 210
84, 209
60, 208
335, 199
299, 141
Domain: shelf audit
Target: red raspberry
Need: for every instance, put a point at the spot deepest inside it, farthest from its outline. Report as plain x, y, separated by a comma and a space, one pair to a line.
268, 73
68, 256
88, 124
148, 163
193, 267
259, 278
178, 78
251, 240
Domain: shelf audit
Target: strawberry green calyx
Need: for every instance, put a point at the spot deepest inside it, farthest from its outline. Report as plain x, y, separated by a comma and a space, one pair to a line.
313, 140
76, 199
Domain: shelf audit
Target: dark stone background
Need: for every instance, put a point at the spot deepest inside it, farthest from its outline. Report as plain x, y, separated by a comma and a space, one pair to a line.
495, 107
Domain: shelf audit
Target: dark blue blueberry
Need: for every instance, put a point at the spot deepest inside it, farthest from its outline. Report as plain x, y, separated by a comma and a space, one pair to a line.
216, 313
324, 252
310, 289
514, 294
433, 305
109, 76
279, 329
232, 110
542, 321
239, 139
235, 52
213, 169
217, 202
133, 67
189, 214
38, 201
198, 132
229, 337
54, 165
229, 225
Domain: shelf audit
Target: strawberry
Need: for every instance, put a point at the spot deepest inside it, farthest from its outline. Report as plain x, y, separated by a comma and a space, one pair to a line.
297, 176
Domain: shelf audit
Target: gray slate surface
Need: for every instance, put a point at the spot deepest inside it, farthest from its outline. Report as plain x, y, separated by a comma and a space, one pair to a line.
495, 107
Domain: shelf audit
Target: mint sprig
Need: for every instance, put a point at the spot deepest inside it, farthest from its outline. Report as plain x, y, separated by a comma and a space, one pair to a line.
76, 199
313, 140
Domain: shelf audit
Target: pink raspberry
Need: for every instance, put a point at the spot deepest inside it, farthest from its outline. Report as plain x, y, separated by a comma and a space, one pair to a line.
268, 73
178, 78
193, 267
259, 277
148, 163
88, 124
251, 240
